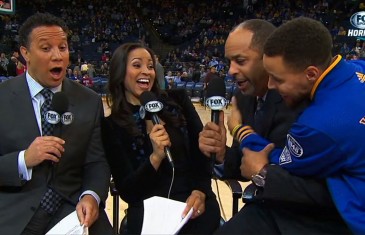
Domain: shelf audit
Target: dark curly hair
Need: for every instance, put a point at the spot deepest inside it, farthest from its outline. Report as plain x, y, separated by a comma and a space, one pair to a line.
301, 42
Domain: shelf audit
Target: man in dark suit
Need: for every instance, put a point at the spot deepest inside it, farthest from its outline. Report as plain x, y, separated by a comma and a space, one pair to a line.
44, 176
280, 203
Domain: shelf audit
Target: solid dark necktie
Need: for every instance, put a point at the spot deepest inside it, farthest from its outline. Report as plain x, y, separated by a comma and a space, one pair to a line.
51, 201
259, 115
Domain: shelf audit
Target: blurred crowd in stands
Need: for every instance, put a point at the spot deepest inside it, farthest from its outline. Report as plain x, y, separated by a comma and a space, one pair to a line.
196, 30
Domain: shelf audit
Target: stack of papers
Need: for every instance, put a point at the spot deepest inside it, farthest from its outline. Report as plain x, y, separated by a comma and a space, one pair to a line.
70, 225
163, 216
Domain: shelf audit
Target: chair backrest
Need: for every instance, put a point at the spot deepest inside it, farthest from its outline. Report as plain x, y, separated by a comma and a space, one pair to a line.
181, 85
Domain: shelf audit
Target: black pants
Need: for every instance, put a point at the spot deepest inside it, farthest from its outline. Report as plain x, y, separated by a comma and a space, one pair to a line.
42, 222
257, 218
38, 224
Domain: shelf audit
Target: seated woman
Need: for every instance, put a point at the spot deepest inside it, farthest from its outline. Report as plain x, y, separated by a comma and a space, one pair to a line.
135, 147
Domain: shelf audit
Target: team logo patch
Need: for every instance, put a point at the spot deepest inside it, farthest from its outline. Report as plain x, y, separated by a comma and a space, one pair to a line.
294, 147
361, 77
285, 157
362, 121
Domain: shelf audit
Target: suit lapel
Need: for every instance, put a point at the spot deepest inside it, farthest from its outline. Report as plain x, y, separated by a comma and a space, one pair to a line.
24, 113
246, 105
269, 108
67, 88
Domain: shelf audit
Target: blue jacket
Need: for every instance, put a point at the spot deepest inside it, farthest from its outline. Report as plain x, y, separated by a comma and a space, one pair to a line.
327, 140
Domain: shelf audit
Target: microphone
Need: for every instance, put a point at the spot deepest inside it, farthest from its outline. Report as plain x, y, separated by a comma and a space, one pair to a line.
153, 106
216, 101
58, 113
60, 106
60, 102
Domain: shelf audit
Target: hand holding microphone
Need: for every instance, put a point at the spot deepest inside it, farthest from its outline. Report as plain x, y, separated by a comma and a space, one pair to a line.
158, 133
216, 101
50, 147
159, 139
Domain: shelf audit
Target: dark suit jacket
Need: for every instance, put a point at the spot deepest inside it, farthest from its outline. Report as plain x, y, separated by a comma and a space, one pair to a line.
277, 122
82, 166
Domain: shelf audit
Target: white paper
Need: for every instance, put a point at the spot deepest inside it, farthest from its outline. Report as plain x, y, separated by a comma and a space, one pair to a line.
70, 225
163, 216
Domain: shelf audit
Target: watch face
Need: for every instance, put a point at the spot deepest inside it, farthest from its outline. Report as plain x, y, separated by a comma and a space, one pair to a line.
258, 180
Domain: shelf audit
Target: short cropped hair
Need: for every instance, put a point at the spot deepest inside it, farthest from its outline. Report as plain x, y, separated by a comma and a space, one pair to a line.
302, 42
261, 30
37, 20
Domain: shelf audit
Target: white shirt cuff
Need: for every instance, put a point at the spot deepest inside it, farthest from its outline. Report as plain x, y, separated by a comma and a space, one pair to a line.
24, 172
92, 193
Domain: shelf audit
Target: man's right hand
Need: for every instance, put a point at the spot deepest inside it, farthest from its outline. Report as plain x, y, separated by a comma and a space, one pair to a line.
212, 139
234, 118
44, 148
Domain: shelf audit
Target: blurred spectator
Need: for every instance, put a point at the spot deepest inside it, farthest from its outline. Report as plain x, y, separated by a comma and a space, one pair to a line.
90, 70
196, 74
20, 68
210, 75
11, 69
104, 70
185, 77
105, 57
3, 64
170, 79
344, 50
69, 74
87, 81
77, 75
84, 68
160, 73
177, 78
342, 31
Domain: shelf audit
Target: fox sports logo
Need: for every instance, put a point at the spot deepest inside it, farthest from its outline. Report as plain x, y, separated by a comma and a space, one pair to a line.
358, 20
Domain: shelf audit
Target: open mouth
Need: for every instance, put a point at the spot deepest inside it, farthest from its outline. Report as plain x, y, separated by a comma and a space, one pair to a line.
143, 82
56, 71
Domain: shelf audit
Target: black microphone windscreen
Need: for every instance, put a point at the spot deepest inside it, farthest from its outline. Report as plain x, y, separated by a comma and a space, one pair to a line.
216, 87
147, 96
60, 102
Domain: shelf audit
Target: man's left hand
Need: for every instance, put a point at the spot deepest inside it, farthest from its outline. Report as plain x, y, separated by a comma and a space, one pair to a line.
252, 162
87, 210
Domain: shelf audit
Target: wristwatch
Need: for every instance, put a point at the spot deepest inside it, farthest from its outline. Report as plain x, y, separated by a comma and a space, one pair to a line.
259, 178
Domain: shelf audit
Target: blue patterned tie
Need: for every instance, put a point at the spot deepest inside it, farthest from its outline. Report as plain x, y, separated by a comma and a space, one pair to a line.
51, 201
47, 128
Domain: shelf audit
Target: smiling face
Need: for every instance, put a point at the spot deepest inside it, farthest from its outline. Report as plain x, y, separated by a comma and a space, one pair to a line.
47, 55
140, 74
294, 86
245, 63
